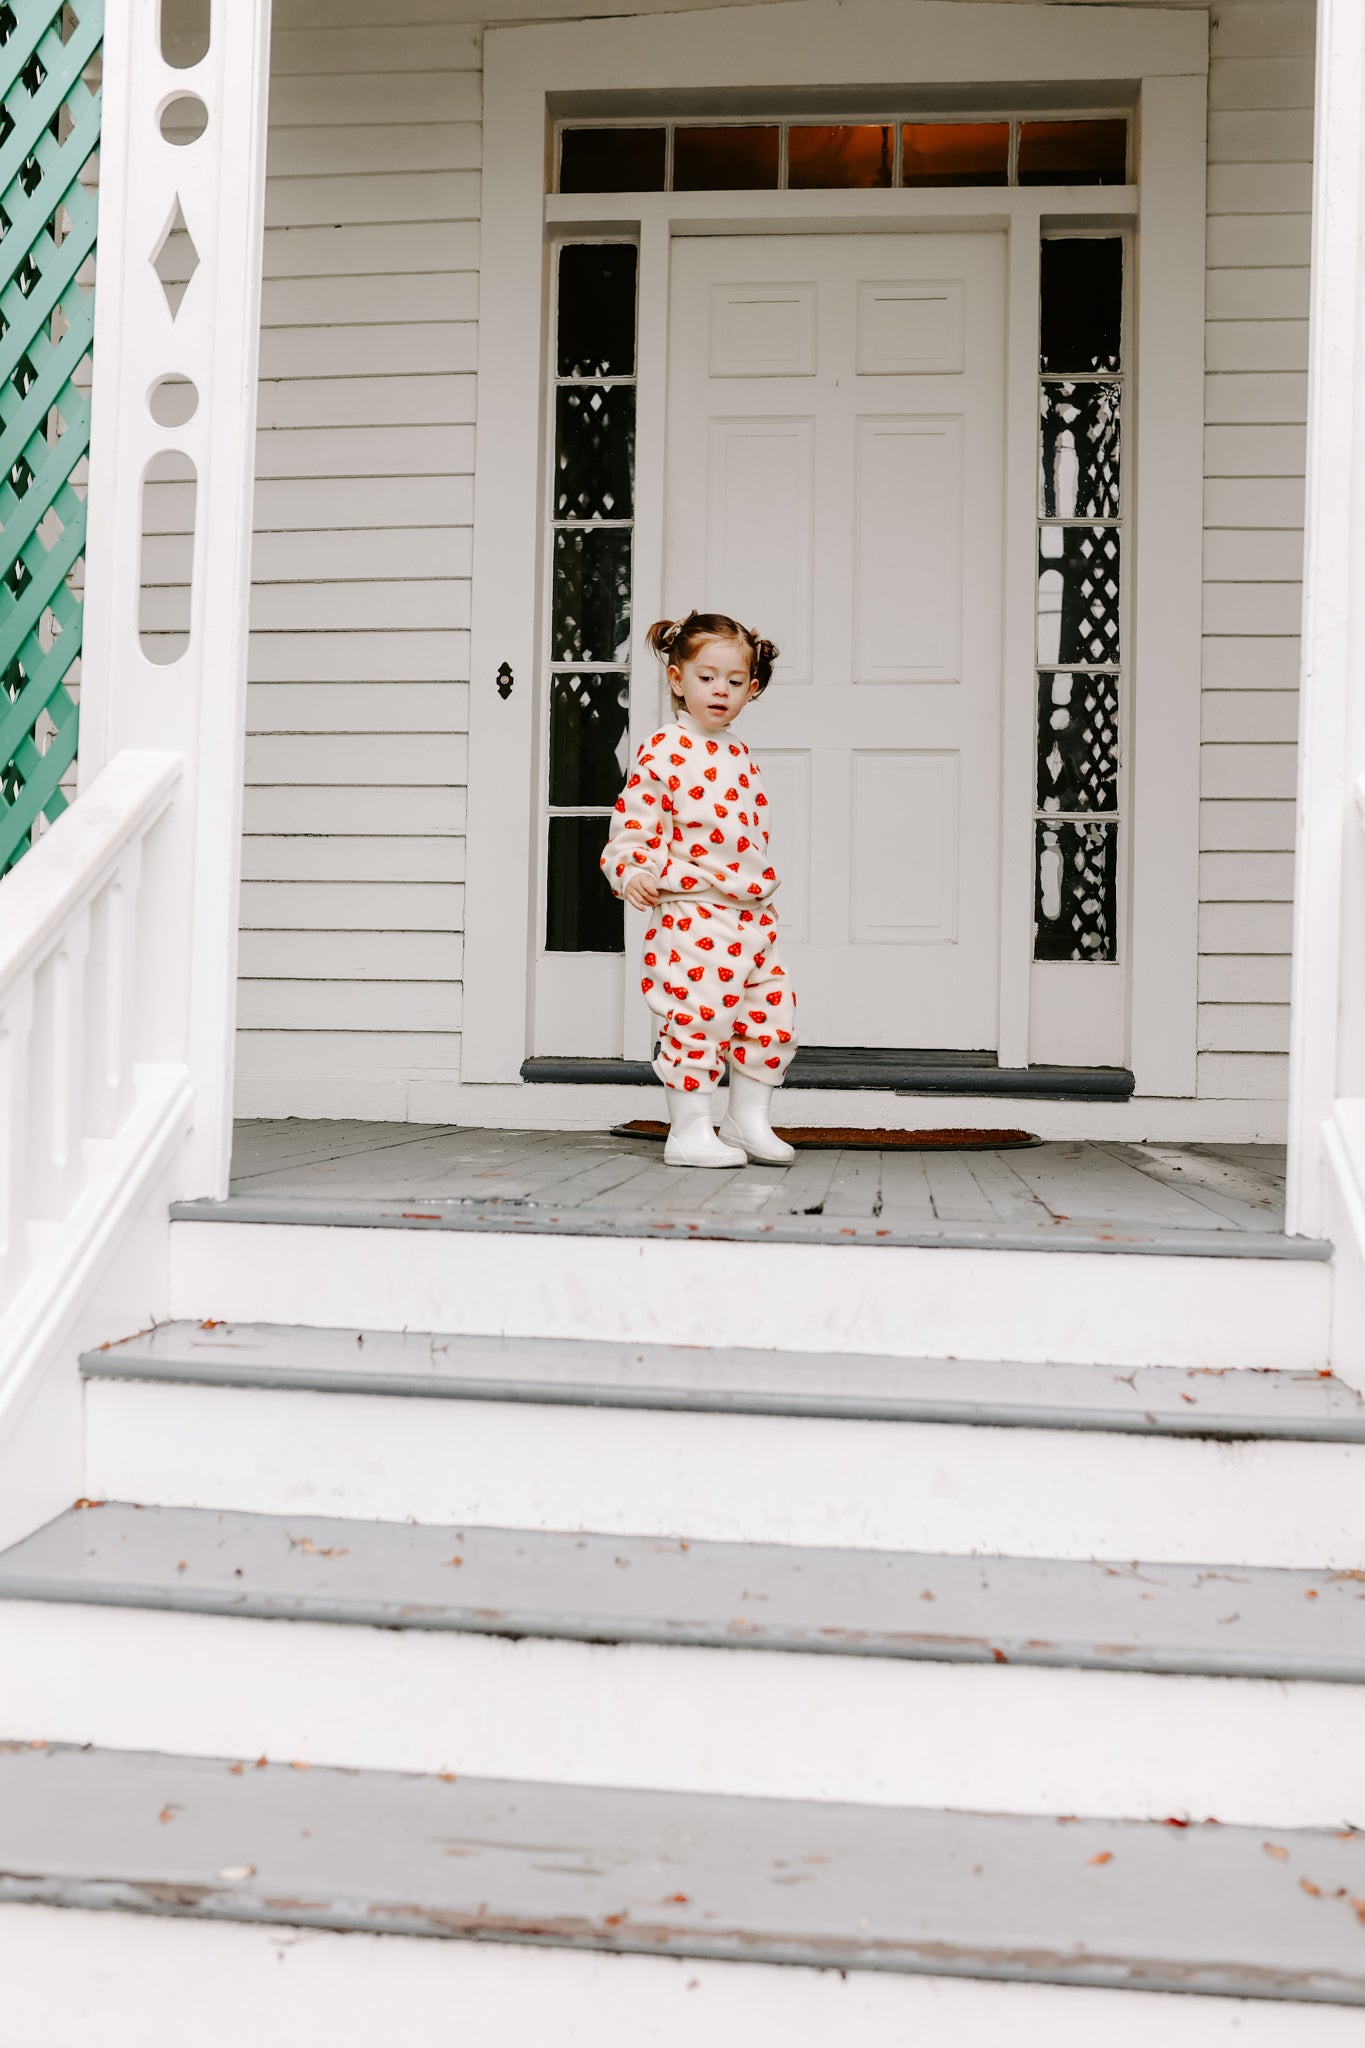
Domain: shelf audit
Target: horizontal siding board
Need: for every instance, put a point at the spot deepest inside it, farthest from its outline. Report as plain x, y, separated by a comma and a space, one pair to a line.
1260, 188
396, 553
1255, 715
337, 758
357, 707
415, 348
351, 301
334, 857
1251, 825
370, 1005
1242, 1077
1248, 771
1246, 877
388, 196
1254, 501
1235, 661
372, 451
1243, 1027
1263, 28
304, 1055
1272, 397
338, 504
1256, 241
1239, 135
1253, 557
351, 956
1245, 927
381, 400
370, 52
352, 906
1252, 608
1255, 451
332, 813
1261, 82
1244, 978
383, 101
384, 656
351, 151
1265, 292
1256, 345
370, 250
337, 607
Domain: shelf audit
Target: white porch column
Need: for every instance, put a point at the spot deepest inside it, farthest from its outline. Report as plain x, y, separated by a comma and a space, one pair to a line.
1327, 1071
196, 705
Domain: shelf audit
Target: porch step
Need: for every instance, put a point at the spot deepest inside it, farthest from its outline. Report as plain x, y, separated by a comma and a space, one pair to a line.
1311, 1406
902, 1072
1225, 1622
1131, 1905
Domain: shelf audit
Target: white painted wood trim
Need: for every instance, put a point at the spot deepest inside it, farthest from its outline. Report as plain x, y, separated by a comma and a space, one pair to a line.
1018, 671
1329, 850
197, 704
805, 42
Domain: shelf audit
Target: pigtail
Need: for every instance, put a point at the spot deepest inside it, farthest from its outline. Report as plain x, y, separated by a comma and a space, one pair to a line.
765, 659
664, 635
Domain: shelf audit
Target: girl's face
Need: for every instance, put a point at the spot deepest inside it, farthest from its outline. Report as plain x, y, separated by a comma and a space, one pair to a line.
714, 684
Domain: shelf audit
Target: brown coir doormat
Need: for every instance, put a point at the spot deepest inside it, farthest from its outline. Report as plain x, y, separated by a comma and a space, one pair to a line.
808, 1138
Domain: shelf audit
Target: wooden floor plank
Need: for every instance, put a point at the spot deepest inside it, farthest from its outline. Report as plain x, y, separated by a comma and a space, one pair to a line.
856, 1187
1081, 1184
1007, 1198
906, 1194
1207, 1183
801, 1188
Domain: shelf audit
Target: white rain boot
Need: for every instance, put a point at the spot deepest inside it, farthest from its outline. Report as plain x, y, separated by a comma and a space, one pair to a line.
749, 1122
692, 1140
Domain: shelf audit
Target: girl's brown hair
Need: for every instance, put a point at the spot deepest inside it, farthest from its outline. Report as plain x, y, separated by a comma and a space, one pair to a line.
677, 640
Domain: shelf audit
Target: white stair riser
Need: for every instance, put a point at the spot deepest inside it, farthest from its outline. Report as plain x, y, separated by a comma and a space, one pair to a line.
775, 1479
152, 1983
1007, 1739
1076, 1307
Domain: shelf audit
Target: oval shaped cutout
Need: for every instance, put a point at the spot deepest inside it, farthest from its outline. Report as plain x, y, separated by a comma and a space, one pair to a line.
173, 401
186, 30
183, 119
170, 489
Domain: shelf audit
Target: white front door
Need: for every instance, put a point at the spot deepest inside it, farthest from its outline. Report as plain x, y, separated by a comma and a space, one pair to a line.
835, 480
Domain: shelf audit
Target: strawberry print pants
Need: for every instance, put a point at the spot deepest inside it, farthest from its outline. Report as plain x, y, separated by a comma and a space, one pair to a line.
713, 976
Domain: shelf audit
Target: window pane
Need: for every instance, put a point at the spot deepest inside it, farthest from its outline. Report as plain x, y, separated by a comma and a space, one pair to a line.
1082, 314
1078, 741
594, 450
725, 159
1078, 594
581, 914
591, 600
820, 157
588, 738
1075, 894
612, 160
955, 153
1073, 152
1080, 451
597, 309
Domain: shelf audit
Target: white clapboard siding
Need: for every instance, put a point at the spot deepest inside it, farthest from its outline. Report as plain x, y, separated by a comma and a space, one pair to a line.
359, 655
1259, 193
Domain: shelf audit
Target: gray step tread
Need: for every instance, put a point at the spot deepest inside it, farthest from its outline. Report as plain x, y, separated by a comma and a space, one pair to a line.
1225, 1620
1138, 1905
1159, 1400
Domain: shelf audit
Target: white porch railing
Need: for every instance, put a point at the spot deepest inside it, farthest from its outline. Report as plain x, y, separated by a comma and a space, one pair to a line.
87, 1106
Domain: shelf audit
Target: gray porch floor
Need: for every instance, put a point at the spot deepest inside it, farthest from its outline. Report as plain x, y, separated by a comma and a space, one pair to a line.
1219, 1200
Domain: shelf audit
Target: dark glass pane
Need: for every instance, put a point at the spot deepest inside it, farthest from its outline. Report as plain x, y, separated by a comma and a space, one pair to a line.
590, 614
1082, 320
581, 914
1073, 152
955, 153
725, 159
612, 160
594, 451
1075, 897
597, 309
1078, 741
1078, 594
1080, 451
588, 738
821, 157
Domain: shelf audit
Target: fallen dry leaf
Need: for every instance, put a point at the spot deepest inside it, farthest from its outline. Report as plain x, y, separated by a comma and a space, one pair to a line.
235, 1872
446, 1777
453, 1560
1358, 1908
1306, 1885
677, 1899
168, 1812
1105, 1856
235, 1770
297, 1764
315, 1549
1274, 1849
212, 1323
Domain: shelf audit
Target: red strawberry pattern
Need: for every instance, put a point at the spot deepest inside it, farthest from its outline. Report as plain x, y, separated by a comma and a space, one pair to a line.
675, 819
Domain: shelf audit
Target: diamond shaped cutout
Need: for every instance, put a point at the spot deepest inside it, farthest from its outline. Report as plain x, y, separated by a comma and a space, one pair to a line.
175, 259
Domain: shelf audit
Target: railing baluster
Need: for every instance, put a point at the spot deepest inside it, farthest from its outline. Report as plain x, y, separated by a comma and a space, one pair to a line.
16, 1018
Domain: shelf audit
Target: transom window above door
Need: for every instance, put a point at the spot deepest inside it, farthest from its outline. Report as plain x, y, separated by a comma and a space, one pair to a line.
810, 155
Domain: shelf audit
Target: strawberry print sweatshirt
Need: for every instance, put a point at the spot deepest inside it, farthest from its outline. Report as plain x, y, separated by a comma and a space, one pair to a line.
693, 817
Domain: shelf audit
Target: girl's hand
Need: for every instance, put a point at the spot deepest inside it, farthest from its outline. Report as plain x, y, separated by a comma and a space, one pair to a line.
640, 893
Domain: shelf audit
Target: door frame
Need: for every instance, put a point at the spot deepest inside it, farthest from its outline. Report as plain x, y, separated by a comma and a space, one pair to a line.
531, 75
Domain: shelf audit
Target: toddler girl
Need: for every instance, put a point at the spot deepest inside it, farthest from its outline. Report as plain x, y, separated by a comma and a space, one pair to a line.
690, 842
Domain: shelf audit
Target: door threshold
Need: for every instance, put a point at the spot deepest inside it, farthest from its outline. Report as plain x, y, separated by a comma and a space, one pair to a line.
895, 1071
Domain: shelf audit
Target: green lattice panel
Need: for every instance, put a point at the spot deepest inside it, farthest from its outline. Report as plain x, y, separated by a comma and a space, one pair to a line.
49, 131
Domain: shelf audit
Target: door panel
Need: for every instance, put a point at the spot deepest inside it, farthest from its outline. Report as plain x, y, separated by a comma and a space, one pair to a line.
835, 468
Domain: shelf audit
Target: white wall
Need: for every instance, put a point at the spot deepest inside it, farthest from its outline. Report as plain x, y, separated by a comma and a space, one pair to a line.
352, 902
